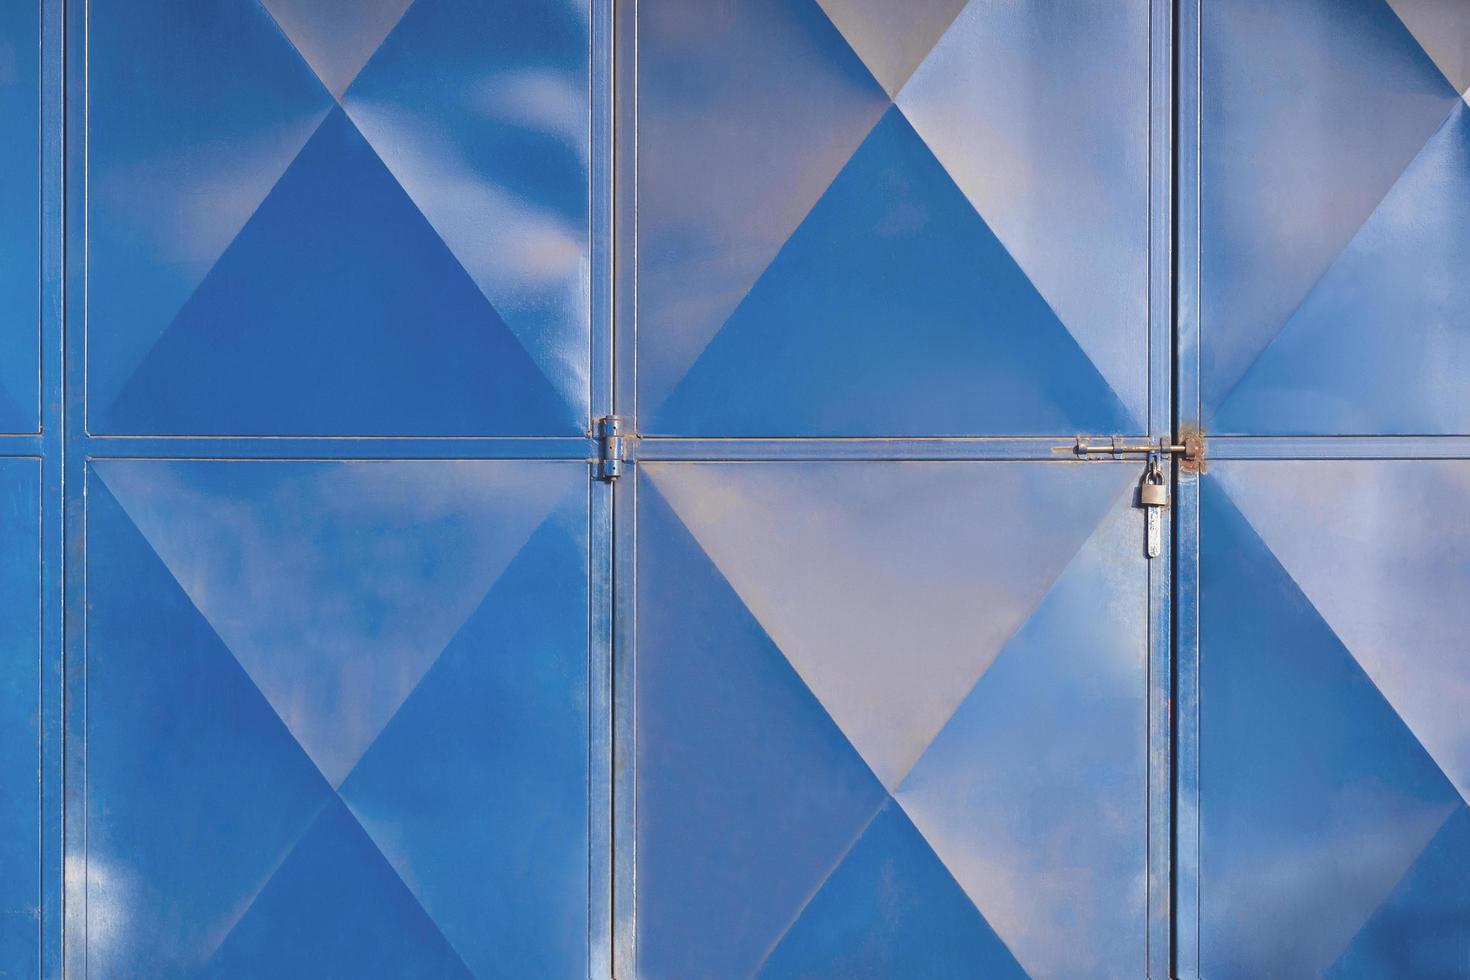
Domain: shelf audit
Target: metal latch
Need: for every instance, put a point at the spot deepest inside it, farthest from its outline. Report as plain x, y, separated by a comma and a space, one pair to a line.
1153, 497
612, 448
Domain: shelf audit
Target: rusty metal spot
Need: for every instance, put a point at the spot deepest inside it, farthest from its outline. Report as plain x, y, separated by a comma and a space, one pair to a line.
1193, 460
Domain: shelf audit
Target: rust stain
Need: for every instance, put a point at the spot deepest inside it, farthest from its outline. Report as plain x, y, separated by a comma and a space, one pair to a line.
1193, 460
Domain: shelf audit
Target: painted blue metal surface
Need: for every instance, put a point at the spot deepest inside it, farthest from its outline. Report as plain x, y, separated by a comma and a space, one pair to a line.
337, 718
879, 731
856, 224
338, 694
20, 716
1322, 824
1334, 207
20, 230
368, 221
1334, 747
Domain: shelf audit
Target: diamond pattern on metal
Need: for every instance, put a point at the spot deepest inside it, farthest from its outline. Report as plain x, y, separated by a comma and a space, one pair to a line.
20, 722
811, 633
293, 657
1324, 812
1311, 321
890, 909
270, 251
1039, 110
1035, 792
1382, 342
1443, 28
803, 223
20, 183
1392, 583
336, 37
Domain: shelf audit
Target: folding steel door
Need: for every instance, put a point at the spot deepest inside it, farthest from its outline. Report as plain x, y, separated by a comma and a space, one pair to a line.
1325, 677
884, 689
330, 515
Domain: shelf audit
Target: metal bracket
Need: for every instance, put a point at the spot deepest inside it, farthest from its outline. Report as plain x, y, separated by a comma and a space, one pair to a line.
612, 448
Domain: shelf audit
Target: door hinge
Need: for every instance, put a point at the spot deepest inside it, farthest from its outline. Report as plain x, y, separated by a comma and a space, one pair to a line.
612, 449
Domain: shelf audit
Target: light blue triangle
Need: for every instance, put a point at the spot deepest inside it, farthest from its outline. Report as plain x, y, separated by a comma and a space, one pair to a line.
1382, 343
1423, 929
748, 793
1316, 797
335, 909
1296, 166
891, 909
893, 295
196, 789
339, 311
476, 792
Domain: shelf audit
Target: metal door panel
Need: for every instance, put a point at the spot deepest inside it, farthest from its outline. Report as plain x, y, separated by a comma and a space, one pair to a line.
1335, 198
336, 718
1334, 756
851, 224
329, 219
20, 231
20, 716
891, 720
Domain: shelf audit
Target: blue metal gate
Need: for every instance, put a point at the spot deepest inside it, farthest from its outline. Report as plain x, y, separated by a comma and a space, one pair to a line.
558, 488
1325, 345
330, 643
886, 661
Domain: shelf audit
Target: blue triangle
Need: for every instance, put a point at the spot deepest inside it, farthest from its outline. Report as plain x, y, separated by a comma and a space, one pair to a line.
891, 909
1316, 796
1048, 739
194, 112
747, 791
1297, 165
338, 311
1382, 344
335, 909
477, 790
893, 294
1423, 929
195, 788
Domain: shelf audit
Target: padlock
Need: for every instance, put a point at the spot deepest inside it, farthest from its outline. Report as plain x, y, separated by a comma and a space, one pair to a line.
1154, 492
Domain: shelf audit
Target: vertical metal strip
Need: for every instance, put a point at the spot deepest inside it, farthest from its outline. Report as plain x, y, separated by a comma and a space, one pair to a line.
624, 492
53, 543
74, 858
1186, 509
600, 505
625, 537
1161, 424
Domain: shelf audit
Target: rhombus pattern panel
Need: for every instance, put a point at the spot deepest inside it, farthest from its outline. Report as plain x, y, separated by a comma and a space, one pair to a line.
337, 719
1335, 217
338, 219
891, 720
856, 223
